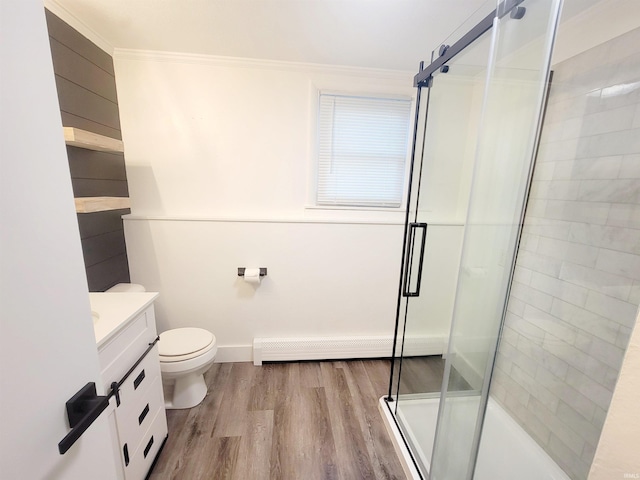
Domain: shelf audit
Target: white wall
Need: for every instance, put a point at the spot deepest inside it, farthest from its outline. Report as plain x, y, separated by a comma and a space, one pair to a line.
220, 165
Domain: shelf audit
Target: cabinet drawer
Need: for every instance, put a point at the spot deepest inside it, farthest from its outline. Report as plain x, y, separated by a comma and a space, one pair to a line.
137, 464
141, 377
134, 418
122, 351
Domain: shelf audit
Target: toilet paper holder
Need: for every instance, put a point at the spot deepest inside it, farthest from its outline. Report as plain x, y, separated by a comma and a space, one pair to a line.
263, 271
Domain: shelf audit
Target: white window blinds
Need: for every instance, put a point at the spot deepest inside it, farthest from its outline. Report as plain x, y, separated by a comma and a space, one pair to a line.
362, 150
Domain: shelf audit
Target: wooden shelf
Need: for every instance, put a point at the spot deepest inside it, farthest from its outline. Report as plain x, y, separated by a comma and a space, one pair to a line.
91, 141
101, 204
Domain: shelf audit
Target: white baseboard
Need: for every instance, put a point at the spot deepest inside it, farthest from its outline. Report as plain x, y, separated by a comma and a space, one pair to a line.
329, 348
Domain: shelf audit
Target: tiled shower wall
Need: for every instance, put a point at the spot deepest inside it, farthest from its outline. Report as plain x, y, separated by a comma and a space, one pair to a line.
577, 280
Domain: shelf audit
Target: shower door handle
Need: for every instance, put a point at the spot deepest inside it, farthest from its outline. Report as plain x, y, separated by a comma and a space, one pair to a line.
408, 265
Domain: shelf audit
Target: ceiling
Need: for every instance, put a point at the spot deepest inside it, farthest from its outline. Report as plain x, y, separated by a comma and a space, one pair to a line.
391, 34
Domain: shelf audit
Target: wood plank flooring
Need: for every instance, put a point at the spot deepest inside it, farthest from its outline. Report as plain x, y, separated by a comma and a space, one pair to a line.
284, 421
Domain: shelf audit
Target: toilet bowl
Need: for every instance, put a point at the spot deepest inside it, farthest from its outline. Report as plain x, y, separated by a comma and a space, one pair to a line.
185, 356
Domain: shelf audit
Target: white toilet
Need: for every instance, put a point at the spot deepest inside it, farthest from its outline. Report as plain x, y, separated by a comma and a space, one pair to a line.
185, 356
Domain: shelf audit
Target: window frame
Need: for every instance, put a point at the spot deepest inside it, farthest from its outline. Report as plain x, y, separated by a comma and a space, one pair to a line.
312, 198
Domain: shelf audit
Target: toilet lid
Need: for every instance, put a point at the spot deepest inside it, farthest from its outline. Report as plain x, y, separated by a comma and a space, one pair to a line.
179, 342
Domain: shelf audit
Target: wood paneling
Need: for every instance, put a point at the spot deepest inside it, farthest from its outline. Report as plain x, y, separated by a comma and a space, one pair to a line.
82, 102
93, 187
97, 165
281, 421
92, 224
77, 69
66, 35
103, 247
88, 100
104, 275
69, 120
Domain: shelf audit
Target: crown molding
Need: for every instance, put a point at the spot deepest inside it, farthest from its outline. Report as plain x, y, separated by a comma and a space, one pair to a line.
64, 14
238, 62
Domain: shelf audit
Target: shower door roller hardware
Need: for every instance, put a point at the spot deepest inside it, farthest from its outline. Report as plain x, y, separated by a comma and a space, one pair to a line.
408, 265
82, 410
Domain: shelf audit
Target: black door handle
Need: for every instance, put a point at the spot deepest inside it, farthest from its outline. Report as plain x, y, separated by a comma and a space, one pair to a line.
411, 239
82, 410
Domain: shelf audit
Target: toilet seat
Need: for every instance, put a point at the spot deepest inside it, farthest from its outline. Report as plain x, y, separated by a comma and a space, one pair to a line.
182, 344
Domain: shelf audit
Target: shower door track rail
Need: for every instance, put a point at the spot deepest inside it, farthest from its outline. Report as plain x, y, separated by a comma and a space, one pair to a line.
423, 77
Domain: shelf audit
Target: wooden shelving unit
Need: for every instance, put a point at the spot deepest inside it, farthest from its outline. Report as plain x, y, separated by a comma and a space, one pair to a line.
77, 137
91, 141
101, 204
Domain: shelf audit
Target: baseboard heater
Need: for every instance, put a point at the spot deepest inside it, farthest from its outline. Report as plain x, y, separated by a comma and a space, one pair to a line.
333, 348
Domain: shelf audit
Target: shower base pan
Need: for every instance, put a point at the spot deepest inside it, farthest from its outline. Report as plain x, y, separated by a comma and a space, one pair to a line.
526, 459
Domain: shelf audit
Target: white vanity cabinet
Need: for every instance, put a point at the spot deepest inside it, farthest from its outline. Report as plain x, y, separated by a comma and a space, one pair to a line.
127, 347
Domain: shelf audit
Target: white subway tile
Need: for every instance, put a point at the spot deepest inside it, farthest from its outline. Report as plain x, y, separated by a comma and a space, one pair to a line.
562, 150
589, 388
599, 417
515, 306
615, 143
552, 132
634, 295
608, 121
630, 166
574, 211
612, 285
570, 354
509, 336
539, 190
611, 191
563, 170
566, 291
528, 382
572, 128
578, 423
539, 263
543, 171
550, 324
619, 263
565, 392
624, 334
614, 238
589, 451
610, 378
585, 320
568, 437
547, 227
532, 425
624, 215
526, 329
529, 242
522, 275
598, 168
619, 311
545, 359
531, 296
636, 118
606, 353
563, 189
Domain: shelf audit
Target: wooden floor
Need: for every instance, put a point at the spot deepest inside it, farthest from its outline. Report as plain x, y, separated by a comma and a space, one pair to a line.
284, 421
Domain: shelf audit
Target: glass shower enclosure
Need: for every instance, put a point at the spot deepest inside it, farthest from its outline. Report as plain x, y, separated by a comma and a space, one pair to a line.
478, 109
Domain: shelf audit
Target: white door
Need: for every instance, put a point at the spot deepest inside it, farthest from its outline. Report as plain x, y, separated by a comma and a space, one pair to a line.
47, 347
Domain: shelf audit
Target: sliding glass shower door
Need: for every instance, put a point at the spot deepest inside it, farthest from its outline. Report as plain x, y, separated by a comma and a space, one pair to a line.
480, 111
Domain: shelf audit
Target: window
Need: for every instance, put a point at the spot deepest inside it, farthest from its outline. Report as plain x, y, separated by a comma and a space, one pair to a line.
362, 150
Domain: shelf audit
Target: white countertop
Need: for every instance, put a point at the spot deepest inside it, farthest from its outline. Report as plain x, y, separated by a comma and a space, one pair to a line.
115, 309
